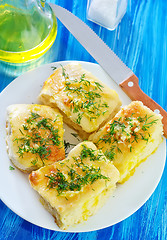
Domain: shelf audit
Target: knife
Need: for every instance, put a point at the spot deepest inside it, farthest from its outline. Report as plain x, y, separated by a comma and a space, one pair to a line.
108, 60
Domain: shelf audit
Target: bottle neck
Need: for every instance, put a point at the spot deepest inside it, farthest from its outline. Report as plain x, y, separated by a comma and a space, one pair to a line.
25, 4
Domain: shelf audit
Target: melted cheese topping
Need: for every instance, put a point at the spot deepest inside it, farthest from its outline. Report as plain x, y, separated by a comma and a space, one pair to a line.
131, 136
34, 135
77, 186
80, 95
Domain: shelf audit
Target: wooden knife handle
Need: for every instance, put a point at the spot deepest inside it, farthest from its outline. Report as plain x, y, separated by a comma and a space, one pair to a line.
132, 89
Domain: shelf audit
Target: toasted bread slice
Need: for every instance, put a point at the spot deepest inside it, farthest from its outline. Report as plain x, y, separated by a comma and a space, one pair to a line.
75, 188
84, 101
130, 137
34, 136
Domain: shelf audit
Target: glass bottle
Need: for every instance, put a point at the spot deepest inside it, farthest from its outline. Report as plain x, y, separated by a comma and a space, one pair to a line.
28, 29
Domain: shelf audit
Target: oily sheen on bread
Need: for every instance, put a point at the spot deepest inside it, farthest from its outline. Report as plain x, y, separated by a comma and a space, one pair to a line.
130, 137
84, 101
34, 136
75, 188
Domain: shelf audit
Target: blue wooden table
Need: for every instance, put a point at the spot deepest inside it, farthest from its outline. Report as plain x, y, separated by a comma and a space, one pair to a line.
140, 41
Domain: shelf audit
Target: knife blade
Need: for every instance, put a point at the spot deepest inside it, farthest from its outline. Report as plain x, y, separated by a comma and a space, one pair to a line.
107, 59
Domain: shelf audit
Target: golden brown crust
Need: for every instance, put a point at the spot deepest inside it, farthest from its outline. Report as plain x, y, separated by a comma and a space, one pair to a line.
85, 101
131, 136
75, 204
34, 136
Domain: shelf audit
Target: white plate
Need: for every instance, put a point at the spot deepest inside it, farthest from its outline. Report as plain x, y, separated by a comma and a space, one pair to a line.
15, 190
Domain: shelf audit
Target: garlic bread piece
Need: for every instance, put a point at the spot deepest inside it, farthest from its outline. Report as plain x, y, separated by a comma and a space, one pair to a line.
130, 137
34, 136
84, 101
75, 188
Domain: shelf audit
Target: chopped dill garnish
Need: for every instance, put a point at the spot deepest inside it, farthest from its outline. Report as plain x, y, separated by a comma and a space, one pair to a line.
87, 98
54, 68
99, 86
72, 181
34, 162
128, 130
11, 168
75, 135
146, 124
110, 153
67, 145
38, 135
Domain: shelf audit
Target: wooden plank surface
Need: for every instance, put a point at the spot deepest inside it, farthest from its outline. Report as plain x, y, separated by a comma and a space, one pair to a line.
141, 42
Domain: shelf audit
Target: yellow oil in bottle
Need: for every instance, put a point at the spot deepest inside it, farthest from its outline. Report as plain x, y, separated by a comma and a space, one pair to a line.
24, 36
